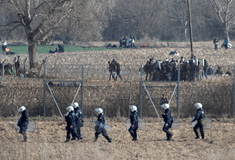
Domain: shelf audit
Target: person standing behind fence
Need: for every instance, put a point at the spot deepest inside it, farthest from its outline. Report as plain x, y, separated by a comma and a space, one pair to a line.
205, 68
168, 121
200, 72
134, 122
23, 122
198, 117
163, 99
215, 41
78, 118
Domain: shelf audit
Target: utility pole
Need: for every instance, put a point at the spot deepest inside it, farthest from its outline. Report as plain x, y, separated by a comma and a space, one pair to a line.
190, 27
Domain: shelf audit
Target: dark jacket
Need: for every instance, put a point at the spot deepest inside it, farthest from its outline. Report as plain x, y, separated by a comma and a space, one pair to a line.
23, 118
101, 118
78, 114
198, 116
134, 118
70, 119
167, 116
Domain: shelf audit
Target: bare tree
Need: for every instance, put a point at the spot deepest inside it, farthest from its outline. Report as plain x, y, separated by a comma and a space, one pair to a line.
225, 10
38, 19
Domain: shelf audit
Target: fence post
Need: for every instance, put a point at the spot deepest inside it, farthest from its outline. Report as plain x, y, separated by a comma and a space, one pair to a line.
82, 87
44, 105
141, 90
233, 91
178, 92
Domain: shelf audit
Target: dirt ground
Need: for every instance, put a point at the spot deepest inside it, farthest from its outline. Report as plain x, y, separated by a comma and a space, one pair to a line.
47, 142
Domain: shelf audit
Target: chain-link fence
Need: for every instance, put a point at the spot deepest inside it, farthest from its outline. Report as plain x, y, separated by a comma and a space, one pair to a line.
215, 93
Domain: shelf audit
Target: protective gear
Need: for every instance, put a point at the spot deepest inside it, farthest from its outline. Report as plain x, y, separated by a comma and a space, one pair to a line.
78, 120
75, 105
165, 106
21, 109
99, 110
198, 105
133, 108
100, 128
198, 117
70, 119
168, 123
134, 124
70, 109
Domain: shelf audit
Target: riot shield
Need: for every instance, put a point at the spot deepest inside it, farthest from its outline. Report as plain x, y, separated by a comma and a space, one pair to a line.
175, 123
97, 126
86, 122
31, 126
207, 123
141, 124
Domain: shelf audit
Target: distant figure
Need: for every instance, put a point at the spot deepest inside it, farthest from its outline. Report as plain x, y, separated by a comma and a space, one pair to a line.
226, 43
215, 41
61, 48
168, 121
4, 46
134, 122
163, 100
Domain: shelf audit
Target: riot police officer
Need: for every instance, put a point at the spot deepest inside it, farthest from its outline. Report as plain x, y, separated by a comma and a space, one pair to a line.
168, 120
134, 122
198, 117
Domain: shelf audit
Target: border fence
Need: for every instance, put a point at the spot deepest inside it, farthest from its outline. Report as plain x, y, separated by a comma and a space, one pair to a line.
216, 94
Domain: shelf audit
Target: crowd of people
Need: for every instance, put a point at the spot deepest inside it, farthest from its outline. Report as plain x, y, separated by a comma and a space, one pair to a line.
125, 43
74, 120
168, 70
225, 44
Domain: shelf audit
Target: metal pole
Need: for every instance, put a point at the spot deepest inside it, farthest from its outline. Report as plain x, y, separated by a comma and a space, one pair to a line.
233, 92
44, 104
151, 100
76, 94
191, 30
178, 92
141, 88
82, 87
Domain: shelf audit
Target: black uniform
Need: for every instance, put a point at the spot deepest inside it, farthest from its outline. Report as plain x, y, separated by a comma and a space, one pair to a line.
168, 122
78, 120
198, 117
70, 119
134, 125
23, 122
100, 128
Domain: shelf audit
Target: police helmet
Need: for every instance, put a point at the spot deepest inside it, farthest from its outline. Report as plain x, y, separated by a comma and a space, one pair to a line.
165, 106
133, 108
75, 105
99, 110
198, 105
70, 109
21, 109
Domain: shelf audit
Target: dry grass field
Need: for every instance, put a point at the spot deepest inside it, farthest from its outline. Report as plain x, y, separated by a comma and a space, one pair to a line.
47, 142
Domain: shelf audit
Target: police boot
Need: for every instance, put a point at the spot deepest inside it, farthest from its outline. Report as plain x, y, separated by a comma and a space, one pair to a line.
73, 139
96, 137
67, 140
25, 137
109, 140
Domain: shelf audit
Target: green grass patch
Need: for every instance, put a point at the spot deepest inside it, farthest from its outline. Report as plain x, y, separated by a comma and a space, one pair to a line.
23, 49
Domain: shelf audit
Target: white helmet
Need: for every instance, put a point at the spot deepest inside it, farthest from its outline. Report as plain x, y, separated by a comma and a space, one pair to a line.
21, 109
99, 110
165, 106
133, 108
75, 105
198, 105
69, 109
